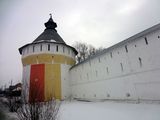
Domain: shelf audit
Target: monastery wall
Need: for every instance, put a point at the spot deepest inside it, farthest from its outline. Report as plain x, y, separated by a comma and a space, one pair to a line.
127, 70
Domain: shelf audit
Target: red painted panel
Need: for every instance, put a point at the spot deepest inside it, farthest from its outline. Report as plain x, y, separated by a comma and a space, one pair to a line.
36, 91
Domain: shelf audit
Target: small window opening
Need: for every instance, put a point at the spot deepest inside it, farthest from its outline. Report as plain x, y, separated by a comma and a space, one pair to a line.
41, 48
63, 49
158, 36
121, 67
126, 48
33, 48
48, 47
146, 41
107, 70
140, 62
111, 54
57, 48
52, 59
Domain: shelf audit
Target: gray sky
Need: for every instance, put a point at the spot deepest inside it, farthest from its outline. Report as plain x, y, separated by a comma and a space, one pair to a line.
100, 23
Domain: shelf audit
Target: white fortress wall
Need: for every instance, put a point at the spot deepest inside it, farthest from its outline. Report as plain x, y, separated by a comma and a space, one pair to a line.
128, 70
65, 81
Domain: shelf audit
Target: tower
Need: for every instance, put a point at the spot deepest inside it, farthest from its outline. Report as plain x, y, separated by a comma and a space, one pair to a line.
46, 63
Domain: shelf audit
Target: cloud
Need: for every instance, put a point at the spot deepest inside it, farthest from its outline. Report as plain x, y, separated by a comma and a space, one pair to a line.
130, 6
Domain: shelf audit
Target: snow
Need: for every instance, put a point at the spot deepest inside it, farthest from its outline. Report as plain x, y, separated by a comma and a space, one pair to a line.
108, 110
5, 110
77, 110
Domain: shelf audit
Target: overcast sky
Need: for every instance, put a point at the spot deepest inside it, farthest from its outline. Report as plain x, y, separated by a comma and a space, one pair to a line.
100, 23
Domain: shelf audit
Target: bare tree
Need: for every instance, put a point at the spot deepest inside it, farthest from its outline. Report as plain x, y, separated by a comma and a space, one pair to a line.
39, 110
91, 50
99, 50
82, 49
85, 51
36, 109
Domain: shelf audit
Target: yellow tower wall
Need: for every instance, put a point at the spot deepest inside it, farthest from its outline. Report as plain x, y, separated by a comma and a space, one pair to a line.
52, 72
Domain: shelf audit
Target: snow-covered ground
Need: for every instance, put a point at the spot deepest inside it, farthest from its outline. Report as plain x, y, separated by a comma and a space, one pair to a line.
5, 110
79, 110
108, 111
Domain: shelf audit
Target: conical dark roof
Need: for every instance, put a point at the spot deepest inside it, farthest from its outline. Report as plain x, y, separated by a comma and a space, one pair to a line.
50, 33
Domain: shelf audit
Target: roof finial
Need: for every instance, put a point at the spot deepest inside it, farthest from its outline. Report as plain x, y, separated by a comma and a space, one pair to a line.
50, 24
50, 15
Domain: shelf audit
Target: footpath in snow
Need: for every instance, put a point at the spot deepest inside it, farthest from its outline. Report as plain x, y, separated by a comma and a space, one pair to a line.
76, 110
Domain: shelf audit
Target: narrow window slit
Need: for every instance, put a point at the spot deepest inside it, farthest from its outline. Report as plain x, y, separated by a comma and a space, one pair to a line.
140, 62
146, 41
33, 48
48, 47
41, 48
63, 50
57, 48
111, 54
121, 67
107, 70
126, 48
